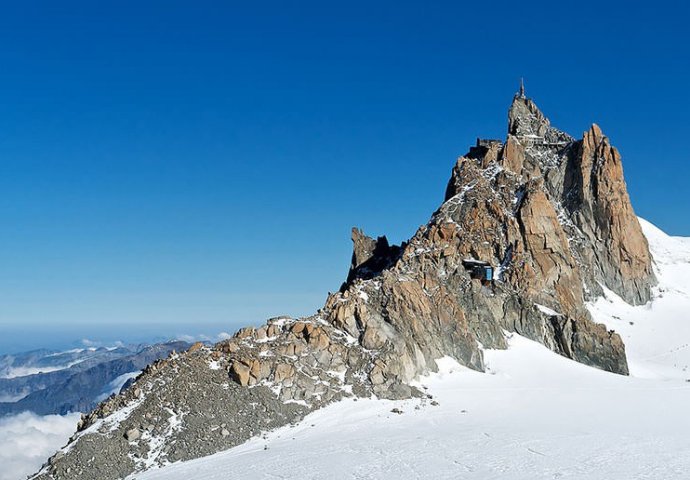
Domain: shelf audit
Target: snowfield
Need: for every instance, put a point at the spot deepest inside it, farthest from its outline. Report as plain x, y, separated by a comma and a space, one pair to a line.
533, 415
657, 335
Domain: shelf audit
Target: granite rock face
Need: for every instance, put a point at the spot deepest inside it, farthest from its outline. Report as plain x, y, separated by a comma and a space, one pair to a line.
584, 181
612, 241
550, 213
370, 257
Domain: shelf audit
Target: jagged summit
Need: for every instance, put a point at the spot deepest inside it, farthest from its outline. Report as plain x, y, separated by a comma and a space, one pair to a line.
530, 228
528, 124
370, 257
583, 181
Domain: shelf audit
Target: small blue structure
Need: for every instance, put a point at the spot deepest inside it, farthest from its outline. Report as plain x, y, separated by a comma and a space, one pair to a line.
479, 269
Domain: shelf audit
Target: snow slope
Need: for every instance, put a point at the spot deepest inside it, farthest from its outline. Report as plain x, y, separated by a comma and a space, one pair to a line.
535, 415
656, 335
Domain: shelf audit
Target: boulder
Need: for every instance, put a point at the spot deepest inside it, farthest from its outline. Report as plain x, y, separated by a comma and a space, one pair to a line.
239, 372
132, 435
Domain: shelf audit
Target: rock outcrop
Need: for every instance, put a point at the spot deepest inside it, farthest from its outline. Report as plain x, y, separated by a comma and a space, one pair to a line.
370, 257
549, 213
610, 237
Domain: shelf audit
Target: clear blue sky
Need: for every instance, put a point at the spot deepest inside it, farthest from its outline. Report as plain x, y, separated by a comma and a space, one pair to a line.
179, 168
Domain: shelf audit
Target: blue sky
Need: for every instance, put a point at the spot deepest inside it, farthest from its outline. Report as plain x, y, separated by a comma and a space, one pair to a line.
179, 168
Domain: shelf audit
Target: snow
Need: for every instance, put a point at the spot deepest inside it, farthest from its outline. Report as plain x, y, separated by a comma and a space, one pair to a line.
72, 351
156, 443
116, 385
297, 402
547, 311
533, 415
537, 416
111, 423
280, 321
450, 205
340, 375
656, 335
26, 371
14, 398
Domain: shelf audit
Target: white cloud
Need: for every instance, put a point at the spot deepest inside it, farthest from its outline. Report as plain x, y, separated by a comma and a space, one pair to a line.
187, 338
204, 338
27, 440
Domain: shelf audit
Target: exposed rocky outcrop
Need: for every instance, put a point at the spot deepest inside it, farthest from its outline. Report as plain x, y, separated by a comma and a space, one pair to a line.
611, 239
549, 212
370, 257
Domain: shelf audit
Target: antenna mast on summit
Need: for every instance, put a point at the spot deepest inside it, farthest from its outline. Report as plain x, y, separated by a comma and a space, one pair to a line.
522, 87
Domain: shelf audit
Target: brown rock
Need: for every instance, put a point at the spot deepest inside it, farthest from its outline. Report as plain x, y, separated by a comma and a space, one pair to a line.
283, 371
319, 339
616, 246
245, 332
132, 435
239, 372
297, 328
228, 346
376, 376
261, 333
513, 155
553, 269
273, 330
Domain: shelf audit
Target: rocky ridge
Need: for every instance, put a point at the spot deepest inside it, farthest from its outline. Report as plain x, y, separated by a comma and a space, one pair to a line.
551, 213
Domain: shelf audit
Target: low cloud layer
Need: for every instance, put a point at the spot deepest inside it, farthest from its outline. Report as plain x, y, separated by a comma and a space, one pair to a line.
27, 440
204, 338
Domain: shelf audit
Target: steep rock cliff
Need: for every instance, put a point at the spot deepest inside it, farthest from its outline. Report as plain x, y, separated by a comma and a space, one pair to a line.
550, 215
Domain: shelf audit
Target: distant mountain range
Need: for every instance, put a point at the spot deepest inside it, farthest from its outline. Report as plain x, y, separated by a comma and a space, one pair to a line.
58, 382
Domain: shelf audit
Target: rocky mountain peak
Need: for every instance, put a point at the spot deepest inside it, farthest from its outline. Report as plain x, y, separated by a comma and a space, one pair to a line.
530, 229
597, 199
525, 118
527, 122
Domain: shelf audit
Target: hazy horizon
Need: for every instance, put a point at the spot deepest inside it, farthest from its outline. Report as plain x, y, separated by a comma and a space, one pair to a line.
18, 340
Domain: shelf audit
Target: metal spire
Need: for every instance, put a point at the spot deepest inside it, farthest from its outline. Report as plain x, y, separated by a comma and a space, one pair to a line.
522, 87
